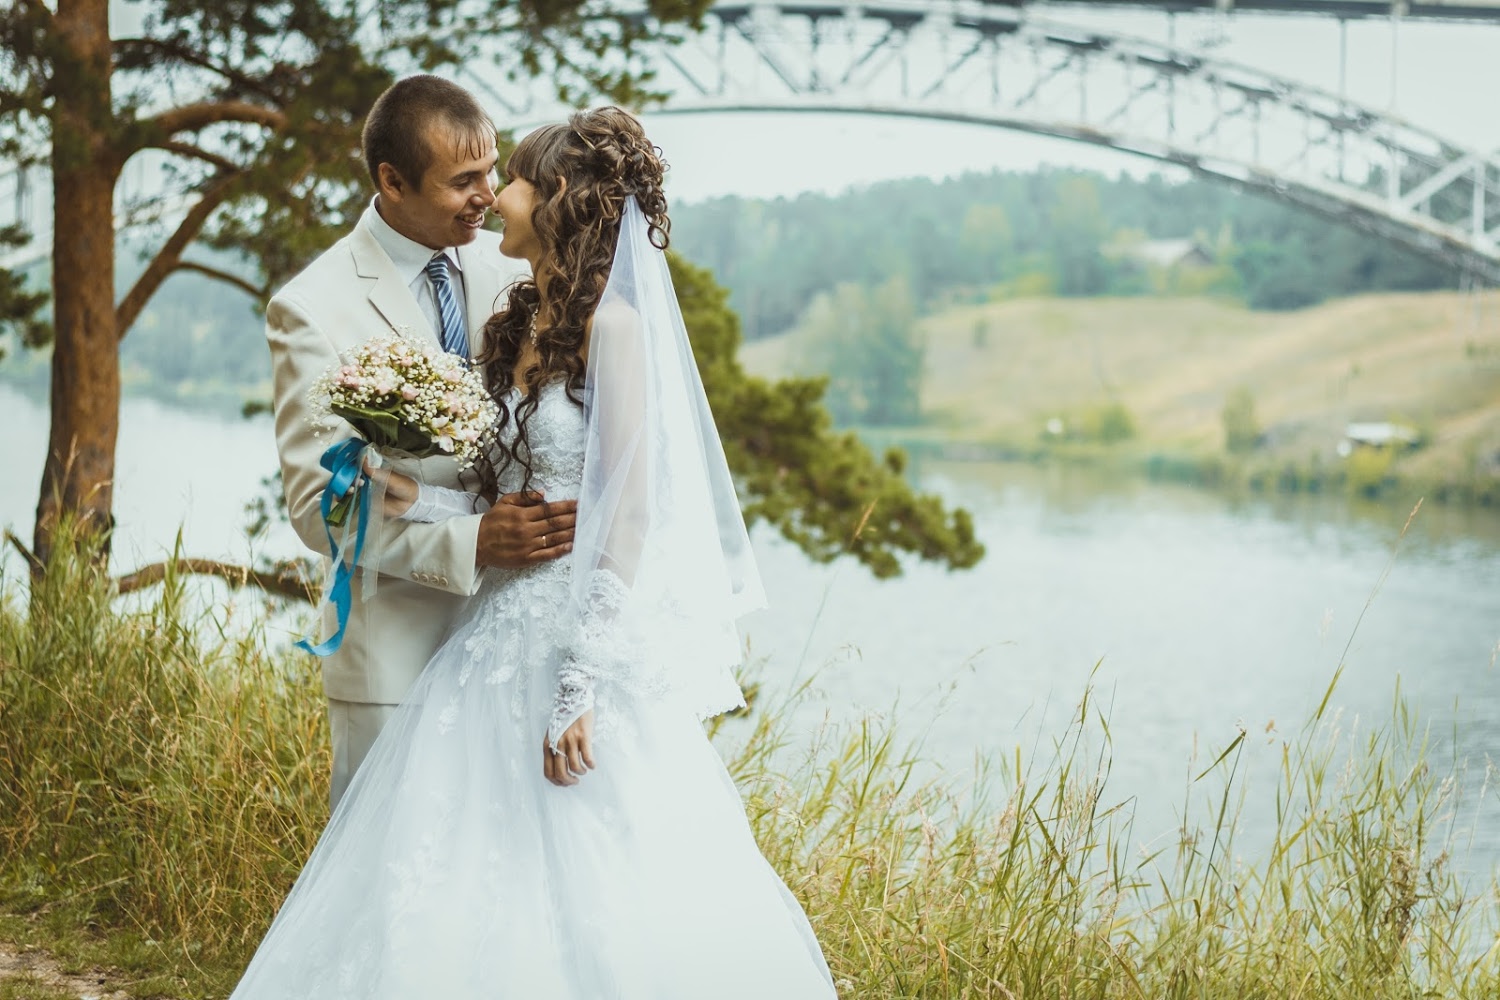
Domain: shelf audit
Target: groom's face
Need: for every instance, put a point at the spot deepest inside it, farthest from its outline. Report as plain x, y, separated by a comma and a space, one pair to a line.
447, 208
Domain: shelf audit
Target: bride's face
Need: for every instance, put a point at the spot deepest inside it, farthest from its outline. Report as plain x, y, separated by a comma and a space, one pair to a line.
514, 204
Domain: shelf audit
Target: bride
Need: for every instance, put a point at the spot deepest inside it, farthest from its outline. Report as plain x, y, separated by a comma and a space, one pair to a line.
544, 816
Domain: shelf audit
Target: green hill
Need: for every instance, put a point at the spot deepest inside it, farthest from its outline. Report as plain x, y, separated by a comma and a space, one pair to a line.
997, 373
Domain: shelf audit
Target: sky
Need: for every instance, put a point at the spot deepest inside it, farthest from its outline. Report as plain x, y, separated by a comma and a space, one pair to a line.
1446, 77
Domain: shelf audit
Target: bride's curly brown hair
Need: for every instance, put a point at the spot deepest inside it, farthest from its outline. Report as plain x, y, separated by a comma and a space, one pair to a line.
583, 172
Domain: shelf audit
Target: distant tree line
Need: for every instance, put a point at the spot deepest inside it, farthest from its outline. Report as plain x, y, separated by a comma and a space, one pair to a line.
199, 331
199, 341
876, 258
869, 345
1060, 232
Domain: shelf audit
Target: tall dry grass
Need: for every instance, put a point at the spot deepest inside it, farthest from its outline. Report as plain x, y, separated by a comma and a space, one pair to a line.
167, 779
157, 771
919, 890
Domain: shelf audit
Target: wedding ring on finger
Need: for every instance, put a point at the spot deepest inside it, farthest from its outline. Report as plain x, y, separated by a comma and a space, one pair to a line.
544, 541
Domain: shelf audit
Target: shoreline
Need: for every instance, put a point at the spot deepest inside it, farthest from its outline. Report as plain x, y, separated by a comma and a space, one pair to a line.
1266, 475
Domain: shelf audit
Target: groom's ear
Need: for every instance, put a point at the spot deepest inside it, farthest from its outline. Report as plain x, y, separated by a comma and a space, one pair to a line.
392, 184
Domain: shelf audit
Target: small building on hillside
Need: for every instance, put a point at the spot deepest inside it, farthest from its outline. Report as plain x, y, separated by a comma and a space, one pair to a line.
1378, 434
1165, 255
1171, 254
1162, 267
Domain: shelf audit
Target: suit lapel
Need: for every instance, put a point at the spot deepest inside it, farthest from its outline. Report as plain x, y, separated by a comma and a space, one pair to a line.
389, 294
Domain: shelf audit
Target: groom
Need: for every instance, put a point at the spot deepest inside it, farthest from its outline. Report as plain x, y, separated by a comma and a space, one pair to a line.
430, 150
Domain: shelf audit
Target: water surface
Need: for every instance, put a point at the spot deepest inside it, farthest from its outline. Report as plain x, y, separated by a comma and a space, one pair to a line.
1187, 613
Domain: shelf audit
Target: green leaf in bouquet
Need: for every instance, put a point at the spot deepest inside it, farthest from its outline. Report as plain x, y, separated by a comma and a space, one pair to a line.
388, 431
338, 511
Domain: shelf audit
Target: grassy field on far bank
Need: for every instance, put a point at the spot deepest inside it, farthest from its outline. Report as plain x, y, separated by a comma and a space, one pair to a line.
996, 373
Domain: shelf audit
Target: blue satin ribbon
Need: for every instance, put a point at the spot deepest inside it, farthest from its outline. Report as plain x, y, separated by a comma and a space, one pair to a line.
344, 462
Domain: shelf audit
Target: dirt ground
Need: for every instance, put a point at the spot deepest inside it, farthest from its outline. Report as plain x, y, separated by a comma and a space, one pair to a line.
22, 967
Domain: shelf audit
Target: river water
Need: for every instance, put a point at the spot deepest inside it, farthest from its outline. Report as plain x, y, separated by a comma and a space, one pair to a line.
1188, 614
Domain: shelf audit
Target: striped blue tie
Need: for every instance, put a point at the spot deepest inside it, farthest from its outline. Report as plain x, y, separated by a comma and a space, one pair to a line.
455, 337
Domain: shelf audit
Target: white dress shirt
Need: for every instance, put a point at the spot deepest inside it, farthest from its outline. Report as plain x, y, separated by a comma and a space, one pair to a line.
410, 258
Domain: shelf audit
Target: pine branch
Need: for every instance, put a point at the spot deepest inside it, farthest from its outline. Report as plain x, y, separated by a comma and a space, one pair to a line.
129, 46
282, 583
32, 561
192, 117
167, 258
194, 152
255, 292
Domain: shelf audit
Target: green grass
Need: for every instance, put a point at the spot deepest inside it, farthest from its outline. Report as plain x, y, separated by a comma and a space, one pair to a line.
27, 987
161, 782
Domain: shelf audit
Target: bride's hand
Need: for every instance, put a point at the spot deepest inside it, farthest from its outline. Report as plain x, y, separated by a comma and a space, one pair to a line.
400, 491
575, 752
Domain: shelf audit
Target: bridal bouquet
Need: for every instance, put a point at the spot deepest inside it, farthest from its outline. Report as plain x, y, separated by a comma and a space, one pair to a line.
406, 397
402, 396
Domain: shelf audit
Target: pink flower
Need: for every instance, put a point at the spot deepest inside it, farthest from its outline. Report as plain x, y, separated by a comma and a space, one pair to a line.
410, 392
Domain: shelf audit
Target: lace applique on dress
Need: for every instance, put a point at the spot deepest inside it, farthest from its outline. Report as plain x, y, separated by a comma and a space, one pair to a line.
518, 627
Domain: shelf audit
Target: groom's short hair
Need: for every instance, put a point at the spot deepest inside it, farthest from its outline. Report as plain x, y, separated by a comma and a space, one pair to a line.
396, 129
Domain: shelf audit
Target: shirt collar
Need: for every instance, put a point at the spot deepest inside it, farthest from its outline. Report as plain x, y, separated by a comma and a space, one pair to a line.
409, 256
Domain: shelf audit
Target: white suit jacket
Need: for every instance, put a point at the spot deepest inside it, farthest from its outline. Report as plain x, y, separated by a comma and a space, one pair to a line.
349, 294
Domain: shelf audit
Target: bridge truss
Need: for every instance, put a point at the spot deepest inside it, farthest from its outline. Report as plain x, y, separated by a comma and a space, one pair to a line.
993, 64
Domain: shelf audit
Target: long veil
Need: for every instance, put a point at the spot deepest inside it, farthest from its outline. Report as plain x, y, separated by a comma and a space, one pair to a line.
662, 566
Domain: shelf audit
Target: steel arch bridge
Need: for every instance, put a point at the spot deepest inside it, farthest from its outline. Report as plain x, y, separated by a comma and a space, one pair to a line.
993, 64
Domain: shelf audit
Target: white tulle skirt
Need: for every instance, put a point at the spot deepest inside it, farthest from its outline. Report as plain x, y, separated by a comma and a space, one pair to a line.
452, 869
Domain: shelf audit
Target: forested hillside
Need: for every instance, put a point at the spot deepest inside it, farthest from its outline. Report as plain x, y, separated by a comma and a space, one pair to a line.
991, 236
879, 257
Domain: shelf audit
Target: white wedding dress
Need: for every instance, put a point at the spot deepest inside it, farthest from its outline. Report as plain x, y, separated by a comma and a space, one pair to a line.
452, 869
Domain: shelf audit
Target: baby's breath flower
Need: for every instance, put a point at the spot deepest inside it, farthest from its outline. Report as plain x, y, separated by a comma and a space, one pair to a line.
429, 391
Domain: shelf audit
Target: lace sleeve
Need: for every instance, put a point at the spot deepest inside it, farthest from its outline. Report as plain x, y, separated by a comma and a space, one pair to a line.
598, 651
438, 503
574, 697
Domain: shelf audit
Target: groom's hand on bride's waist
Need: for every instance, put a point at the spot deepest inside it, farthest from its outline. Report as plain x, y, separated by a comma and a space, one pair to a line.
522, 529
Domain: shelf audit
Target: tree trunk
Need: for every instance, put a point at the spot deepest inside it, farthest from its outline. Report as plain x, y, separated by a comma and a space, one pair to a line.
78, 478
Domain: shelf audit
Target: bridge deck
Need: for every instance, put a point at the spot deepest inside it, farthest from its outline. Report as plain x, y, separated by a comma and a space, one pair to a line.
1449, 10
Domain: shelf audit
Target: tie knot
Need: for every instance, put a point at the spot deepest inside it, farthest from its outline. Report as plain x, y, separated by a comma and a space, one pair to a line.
437, 267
